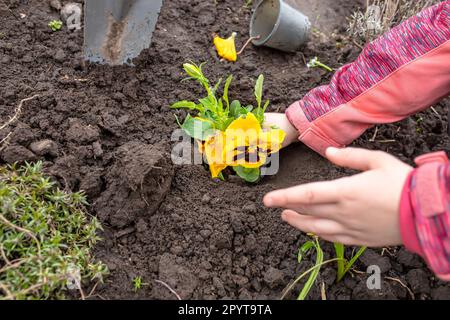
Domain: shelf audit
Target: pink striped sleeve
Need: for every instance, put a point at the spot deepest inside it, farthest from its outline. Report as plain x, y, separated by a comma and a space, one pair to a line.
402, 72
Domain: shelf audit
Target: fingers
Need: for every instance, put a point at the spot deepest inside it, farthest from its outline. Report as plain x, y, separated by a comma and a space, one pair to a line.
327, 211
308, 194
314, 225
359, 159
280, 121
343, 239
328, 230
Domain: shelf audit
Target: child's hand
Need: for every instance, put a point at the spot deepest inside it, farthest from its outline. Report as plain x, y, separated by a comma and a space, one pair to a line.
359, 210
280, 121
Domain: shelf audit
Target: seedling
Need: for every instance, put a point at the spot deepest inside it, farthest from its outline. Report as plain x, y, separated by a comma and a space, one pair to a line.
228, 133
137, 284
55, 25
313, 272
343, 265
304, 249
315, 63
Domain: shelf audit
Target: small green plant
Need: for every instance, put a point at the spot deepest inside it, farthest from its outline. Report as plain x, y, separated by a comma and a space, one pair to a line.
313, 272
55, 25
343, 265
46, 237
304, 249
315, 63
137, 284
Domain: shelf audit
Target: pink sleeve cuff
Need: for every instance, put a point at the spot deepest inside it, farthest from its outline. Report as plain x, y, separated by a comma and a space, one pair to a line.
424, 212
407, 224
309, 133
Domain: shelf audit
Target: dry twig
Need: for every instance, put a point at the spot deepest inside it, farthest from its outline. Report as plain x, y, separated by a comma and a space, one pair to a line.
17, 112
403, 285
169, 288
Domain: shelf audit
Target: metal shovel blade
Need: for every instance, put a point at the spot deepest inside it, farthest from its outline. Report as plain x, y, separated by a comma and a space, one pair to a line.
116, 31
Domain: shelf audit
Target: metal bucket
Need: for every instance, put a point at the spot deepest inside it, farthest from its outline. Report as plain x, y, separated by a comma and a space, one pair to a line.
279, 26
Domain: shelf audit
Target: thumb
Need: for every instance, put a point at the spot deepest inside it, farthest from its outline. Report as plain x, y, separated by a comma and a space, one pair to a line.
359, 159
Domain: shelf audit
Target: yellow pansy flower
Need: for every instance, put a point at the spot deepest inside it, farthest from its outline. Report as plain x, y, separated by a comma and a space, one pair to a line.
244, 143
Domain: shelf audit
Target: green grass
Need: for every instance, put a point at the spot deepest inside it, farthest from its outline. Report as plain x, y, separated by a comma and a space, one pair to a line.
46, 237
304, 249
343, 265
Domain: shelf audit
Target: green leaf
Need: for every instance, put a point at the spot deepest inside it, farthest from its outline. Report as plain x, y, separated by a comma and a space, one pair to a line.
314, 274
236, 110
249, 108
209, 104
225, 91
186, 105
352, 261
259, 114
235, 107
198, 128
227, 123
216, 87
304, 249
220, 105
208, 115
178, 120
265, 106
340, 253
259, 90
249, 175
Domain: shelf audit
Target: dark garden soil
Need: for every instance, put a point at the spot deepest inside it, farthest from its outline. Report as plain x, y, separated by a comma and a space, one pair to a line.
110, 135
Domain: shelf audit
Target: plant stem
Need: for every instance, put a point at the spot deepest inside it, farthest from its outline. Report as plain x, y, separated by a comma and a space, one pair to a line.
320, 64
312, 278
340, 253
343, 265
353, 260
289, 288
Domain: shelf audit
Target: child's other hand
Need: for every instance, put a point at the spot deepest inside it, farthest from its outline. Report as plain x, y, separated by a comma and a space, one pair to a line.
359, 210
280, 121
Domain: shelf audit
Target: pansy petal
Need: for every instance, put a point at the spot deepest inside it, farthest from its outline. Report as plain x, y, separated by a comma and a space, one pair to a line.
247, 122
226, 48
213, 151
272, 140
216, 169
